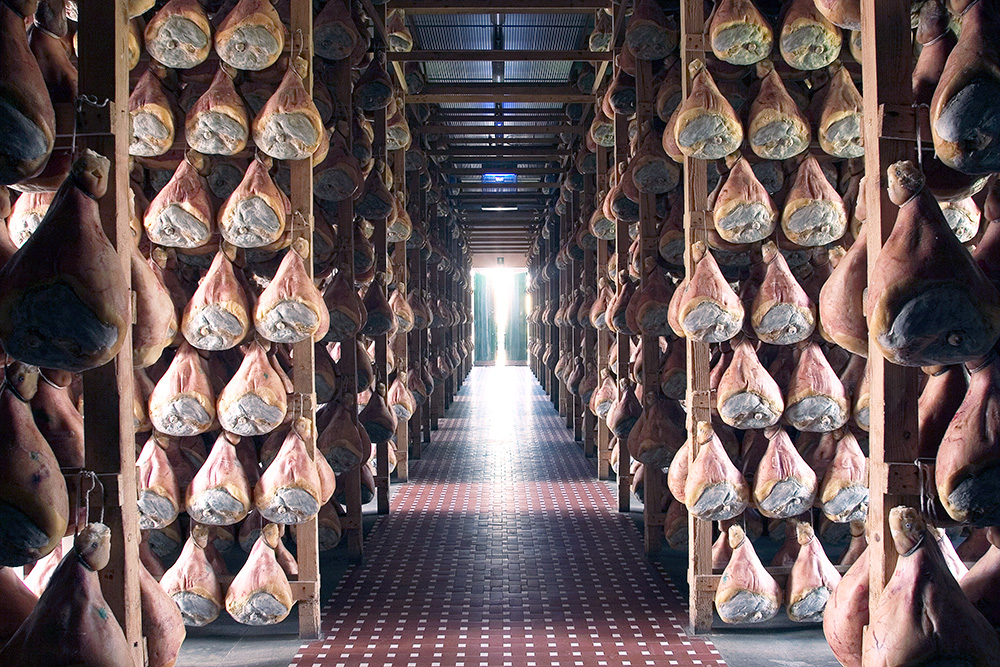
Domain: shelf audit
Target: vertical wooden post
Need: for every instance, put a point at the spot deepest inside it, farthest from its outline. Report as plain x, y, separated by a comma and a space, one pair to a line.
603, 336
554, 288
403, 348
649, 254
888, 60
622, 242
108, 427
565, 333
304, 368
379, 239
590, 334
352, 523
698, 390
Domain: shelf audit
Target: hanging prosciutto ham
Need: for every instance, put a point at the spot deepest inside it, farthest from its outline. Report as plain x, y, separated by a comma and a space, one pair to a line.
72, 623
260, 593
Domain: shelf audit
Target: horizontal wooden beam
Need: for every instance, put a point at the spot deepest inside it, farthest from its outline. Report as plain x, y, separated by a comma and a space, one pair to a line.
442, 93
503, 142
505, 7
499, 152
504, 186
519, 171
455, 127
498, 55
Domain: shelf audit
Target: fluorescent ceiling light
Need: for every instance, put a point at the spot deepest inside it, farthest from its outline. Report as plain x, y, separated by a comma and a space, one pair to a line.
499, 208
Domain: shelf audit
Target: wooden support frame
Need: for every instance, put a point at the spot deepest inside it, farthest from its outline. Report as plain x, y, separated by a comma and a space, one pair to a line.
352, 523
653, 484
892, 439
622, 369
498, 55
108, 390
381, 344
603, 336
696, 217
304, 368
438, 93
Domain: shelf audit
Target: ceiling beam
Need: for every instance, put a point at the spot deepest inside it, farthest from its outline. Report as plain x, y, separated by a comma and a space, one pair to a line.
505, 186
504, 7
503, 142
522, 171
455, 128
542, 153
442, 93
498, 55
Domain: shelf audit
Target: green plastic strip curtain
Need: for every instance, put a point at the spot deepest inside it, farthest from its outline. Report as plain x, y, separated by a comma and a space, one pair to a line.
486, 324
516, 337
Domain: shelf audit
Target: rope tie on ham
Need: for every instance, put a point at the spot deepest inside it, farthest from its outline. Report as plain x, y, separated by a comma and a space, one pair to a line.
49, 382
987, 360
928, 490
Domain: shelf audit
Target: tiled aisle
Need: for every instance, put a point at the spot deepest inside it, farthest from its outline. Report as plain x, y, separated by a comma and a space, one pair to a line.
503, 550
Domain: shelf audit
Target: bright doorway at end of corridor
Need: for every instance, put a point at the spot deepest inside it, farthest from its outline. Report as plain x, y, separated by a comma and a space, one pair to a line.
501, 310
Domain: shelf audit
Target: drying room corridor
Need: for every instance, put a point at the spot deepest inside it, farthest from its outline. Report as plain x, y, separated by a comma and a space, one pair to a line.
503, 550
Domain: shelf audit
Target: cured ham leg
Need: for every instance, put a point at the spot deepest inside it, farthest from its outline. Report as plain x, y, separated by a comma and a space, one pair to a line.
748, 398
218, 315
217, 124
192, 583
159, 493
254, 402
260, 593
34, 506
220, 493
162, 623
782, 313
968, 459
922, 616
784, 485
254, 215
747, 592
813, 579
182, 215
846, 613
251, 36
25, 107
65, 287
183, 403
72, 623
291, 309
19, 601
928, 301
290, 488
843, 495
815, 399
715, 489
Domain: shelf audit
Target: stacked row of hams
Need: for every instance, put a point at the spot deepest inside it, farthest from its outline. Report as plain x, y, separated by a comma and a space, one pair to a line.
67, 255
747, 461
936, 255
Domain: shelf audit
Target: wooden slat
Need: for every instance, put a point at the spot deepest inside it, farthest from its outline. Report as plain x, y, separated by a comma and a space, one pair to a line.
698, 391
353, 527
440, 93
499, 151
498, 55
522, 171
622, 243
108, 391
603, 336
893, 412
455, 127
649, 252
304, 366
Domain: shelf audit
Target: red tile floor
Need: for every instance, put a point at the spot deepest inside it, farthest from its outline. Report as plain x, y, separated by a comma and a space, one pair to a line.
503, 550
